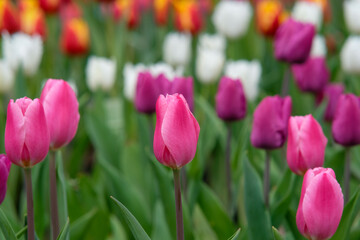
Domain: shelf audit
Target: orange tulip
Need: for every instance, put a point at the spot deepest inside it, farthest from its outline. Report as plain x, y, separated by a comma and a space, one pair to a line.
32, 21
75, 37
161, 10
268, 16
129, 10
9, 17
188, 16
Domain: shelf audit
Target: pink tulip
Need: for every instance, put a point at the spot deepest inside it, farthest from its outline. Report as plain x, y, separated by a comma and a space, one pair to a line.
176, 131
321, 204
306, 144
26, 134
270, 123
5, 165
61, 110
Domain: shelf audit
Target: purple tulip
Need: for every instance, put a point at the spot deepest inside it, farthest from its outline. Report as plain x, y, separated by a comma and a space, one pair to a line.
184, 86
230, 100
333, 93
5, 165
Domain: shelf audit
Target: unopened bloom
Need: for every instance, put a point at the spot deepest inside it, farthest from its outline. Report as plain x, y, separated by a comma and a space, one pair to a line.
32, 21
5, 165
270, 124
185, 87
230, 100
350, 55
176, 132
75, 37
100, 73
311, 76
9, 17
321, 204
61, 111
70, 10
249, 73
210, 57
308, 12
22, 50
161, 11
130, 74
268, 16
177, 49
351, 14
332, 92
7, 77
128, 11
188, 16
232, 18
306, 144
345, 125
50, 6
27, 138
293, 41
318, 47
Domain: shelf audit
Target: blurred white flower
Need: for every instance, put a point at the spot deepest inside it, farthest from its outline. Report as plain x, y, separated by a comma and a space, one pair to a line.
177, 49
352, 15
130, 75
350, 55
22, 50
164, 68
232, 18
308, 12
7, 77
318, 47
248, 72
100, 73
210, 57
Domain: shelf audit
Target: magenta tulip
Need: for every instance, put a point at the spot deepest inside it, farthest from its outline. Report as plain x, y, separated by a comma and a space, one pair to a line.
184, 86
27, 138
176, 131
321, 204
5, 165
306, 144
293, 41
61, 110
230, 100
311, 76
345, 125
270, 122
332, 92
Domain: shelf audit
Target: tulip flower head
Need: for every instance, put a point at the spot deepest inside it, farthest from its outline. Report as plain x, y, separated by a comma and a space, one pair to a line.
5, 165
185, 87
32, 21
268, 16
306, 144
61, 110
188, 16
177, 49
176, 132
100, 73
332, 92
9, 17
318, 47
50, 6
128, 11
351, 14
27, 137
161, 11
270, 124
75, 37
321, 204
350, 55
308, 12
7, 77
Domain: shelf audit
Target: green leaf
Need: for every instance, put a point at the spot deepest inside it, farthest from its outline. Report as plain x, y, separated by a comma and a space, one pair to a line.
21, 232
135, 227
79, 226
236, 235
118, 230
65, 231
5, 227
351, 210
257, 216
64, 215
160, 229
277, 235
202, 228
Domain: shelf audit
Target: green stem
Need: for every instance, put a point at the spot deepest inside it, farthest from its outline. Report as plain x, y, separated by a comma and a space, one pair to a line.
228, 167
30, 204
347, 175
53, 197
267, 178
286, 82
179, 214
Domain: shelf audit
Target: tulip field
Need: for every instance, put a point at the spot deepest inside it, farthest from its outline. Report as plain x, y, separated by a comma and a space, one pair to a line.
179, 119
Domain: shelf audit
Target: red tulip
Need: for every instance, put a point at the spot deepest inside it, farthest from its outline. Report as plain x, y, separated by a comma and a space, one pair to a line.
188, 16
176, 133
61, 110
69, 11
161, 11
26, 133
268, 16
50, 6
75, 37
9, 17
127, 10
32, 20
5, 165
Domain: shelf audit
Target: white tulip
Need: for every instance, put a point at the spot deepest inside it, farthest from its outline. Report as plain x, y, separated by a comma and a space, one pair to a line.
130, 75
350, 55
164, 68
210, 57
177, 49
7, 77
352, 16
232, 18
248, 72
100, 73
308, 12
22, 50
318, 47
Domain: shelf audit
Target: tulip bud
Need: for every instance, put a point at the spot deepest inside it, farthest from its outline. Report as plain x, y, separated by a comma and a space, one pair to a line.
308, 12
230, 100
345, 127
161, 11
350, 55
9, 17
188, 16
268, 16
321, 204
7, 77
176, 132
177, 49
232, 18
351, 14
50, 6
306, 144
100, 73
249, 73
318, 47
75, 37
26, 133
333, 93
32, 21
61, 111
185, 87
270, 122
131, 73
127, 10
5, 166
69, 11
311, 76
293, 41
